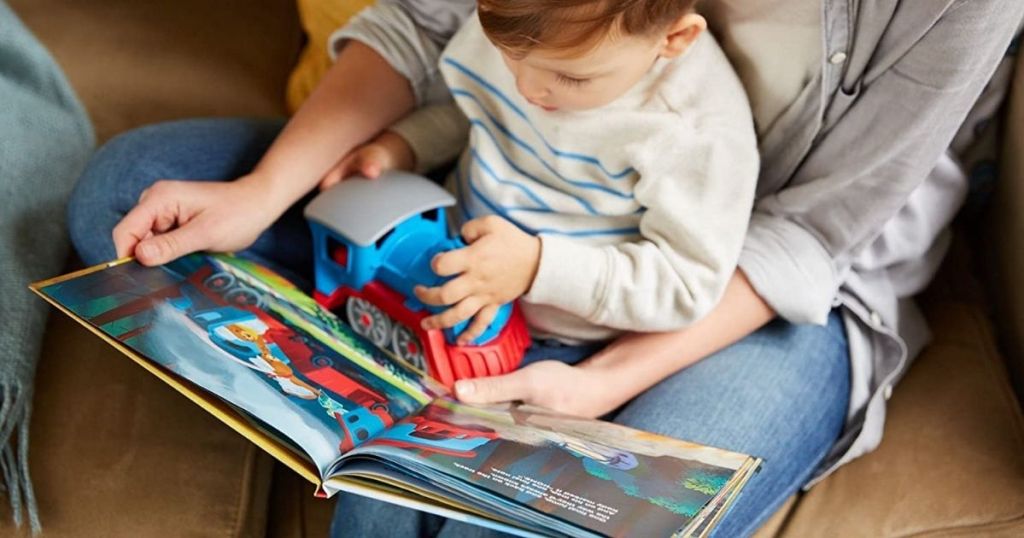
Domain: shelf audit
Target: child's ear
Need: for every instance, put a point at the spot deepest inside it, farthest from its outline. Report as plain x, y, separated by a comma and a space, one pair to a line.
682, 34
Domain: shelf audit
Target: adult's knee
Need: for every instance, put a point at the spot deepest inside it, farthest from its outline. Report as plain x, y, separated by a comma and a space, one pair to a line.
108, 187
216, 149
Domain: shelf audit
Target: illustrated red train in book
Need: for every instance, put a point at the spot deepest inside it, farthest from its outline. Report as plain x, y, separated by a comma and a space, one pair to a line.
246, 334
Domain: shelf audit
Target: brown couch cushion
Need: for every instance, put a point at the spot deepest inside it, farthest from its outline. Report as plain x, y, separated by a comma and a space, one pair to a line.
137, 62
294, 511
952, 460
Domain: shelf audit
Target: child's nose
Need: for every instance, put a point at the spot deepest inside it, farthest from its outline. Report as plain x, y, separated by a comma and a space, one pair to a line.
531, 88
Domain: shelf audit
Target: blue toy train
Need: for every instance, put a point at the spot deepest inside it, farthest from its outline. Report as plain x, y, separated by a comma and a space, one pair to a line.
373, 242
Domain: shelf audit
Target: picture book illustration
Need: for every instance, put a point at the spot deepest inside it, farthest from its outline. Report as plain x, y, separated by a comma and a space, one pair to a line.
351, 416
235, 328
611, 479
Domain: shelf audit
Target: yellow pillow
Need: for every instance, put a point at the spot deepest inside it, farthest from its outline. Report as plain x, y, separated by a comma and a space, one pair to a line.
319, 19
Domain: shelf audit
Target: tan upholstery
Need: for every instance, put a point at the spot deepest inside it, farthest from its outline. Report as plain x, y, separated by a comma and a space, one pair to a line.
952, 459
115, 453
135, 62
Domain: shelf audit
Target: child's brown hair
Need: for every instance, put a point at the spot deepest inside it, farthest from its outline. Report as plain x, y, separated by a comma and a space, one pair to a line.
519, 26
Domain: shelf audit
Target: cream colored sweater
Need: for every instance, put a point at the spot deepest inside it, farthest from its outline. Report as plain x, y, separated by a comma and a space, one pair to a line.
641, 205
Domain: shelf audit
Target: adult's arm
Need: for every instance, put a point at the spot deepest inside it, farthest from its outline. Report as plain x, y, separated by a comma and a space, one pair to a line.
904, 114
359, 96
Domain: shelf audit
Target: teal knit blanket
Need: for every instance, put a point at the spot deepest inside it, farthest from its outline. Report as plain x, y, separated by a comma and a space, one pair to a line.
45, 141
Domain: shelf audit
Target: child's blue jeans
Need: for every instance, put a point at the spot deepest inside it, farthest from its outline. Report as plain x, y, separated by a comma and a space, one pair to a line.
781, 393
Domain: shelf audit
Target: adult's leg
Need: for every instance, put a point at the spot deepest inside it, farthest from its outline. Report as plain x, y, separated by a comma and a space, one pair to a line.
780, 394
220, 149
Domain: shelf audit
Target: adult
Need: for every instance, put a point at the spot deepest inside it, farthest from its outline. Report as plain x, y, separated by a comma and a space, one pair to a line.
856, 103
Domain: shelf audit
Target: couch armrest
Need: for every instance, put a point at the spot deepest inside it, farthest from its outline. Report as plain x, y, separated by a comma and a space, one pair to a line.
1006, 236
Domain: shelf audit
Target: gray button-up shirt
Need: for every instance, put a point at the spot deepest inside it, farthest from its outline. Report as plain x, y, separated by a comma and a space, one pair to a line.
856, 188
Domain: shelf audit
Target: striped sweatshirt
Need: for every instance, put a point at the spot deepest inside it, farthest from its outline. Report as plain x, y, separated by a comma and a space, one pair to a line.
641, 205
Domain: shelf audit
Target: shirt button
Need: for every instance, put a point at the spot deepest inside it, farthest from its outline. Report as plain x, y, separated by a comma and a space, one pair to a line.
887, 393
837, 58
876, 319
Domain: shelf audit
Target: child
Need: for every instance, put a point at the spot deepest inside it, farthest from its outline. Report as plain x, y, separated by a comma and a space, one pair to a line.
610, 168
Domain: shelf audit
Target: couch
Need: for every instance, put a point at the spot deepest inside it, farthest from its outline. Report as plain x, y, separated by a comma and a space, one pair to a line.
117, 453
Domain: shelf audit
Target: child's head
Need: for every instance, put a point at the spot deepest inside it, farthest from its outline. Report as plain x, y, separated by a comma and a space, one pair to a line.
580, 54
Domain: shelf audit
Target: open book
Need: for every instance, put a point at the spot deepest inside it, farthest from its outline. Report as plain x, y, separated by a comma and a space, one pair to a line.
264, 358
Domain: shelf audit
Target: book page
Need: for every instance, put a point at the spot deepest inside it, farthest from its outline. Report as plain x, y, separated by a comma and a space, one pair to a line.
601, 477
253, 339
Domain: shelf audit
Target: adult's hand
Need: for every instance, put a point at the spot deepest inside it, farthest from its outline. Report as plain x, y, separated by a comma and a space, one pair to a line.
358, 96
175, 218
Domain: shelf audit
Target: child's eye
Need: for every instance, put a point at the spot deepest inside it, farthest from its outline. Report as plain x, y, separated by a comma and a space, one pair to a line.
572, 82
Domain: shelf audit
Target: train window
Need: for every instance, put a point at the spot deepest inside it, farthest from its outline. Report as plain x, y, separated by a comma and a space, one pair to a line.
362, 435
383, 238
431, 214
337, 251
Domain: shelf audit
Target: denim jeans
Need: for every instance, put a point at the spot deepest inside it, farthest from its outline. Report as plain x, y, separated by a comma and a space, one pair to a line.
780, 393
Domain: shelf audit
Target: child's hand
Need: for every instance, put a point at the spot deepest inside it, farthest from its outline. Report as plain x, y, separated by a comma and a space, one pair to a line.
497, 267
175, 218
388, 151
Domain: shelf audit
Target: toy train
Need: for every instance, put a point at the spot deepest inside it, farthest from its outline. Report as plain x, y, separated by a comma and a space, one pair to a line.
373, 242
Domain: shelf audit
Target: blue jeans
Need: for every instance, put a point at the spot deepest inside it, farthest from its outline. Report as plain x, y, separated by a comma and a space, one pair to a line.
780, 393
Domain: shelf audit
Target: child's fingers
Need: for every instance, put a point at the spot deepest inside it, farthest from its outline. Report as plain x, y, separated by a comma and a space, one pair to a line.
452, 263
477, 228
449, 293
371, 169
331, 179
339, 172
480, 323
374, 160
454, 315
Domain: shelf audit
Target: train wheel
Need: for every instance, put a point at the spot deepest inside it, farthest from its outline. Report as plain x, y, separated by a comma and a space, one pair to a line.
244, 297
408, 347
322, 361
369, 321
220, 282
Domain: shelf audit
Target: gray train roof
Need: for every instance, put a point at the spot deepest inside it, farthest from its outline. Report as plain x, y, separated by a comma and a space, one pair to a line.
363, 210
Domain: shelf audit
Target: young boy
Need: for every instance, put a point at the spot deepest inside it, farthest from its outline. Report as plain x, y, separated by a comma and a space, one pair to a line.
609, 172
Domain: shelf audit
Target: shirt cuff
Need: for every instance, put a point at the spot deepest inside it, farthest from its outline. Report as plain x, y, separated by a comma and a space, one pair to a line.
790, 269
436, 134
570, 276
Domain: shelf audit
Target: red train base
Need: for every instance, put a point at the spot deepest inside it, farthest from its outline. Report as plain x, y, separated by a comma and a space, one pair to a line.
380, 314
